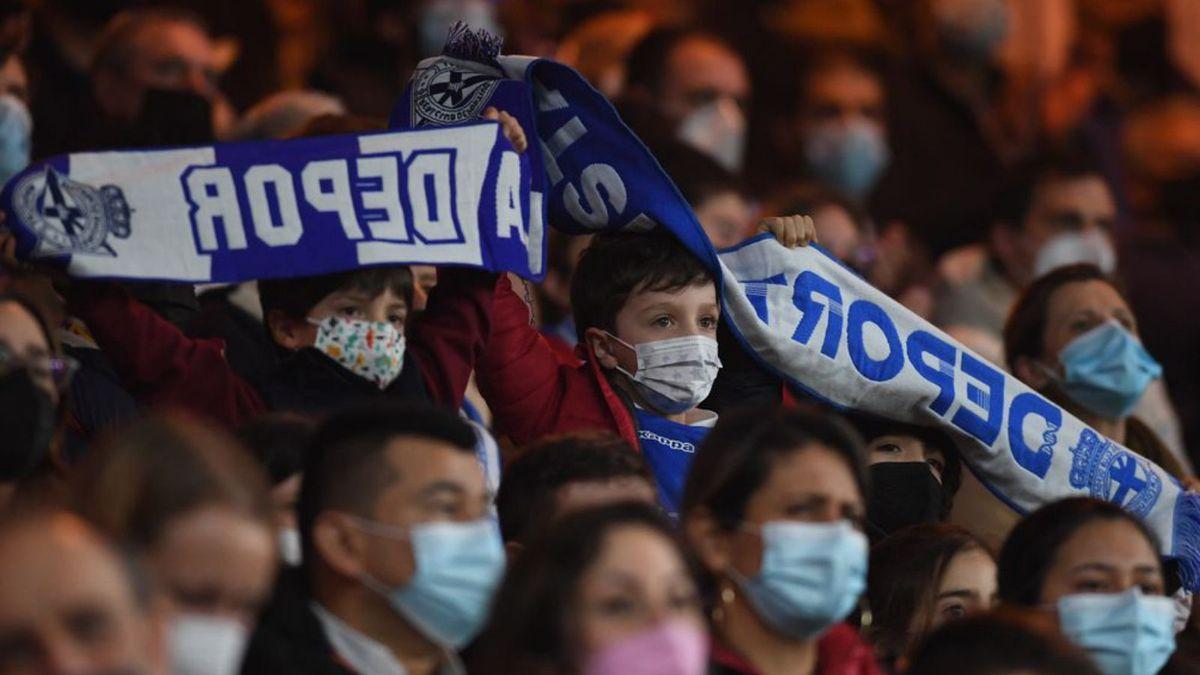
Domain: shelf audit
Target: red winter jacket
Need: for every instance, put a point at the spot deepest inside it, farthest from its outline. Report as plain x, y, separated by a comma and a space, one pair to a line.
841, 651
160, 365
532, 393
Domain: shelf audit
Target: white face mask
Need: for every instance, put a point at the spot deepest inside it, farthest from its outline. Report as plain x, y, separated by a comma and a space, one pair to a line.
1069, 248
290, 550
674, 375
206, 645
718, 129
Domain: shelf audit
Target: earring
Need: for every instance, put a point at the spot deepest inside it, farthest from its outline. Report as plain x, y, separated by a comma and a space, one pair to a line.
725, 597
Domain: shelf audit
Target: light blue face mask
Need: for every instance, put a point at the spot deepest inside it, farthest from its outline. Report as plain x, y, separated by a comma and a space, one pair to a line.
848, 156
458, 567
812, 575
15, 128
1106, 370
1125, 633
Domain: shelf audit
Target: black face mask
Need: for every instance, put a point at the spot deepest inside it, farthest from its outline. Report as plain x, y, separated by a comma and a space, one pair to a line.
902, 494
27, 420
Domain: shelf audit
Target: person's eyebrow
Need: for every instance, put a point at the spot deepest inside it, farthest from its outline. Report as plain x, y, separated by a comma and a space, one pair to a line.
1094, 566
1147, 569
964, 593
441, 486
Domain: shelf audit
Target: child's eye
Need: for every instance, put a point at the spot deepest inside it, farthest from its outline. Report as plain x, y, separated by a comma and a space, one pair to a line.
888, 448
708, 322
397, 319
352, 312
663, 322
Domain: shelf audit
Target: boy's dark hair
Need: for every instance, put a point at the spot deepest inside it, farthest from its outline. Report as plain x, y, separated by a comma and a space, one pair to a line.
616, 265
294, 298
1032, 546
737, 457
345, 466
1015, 196
1002, 642
531, 481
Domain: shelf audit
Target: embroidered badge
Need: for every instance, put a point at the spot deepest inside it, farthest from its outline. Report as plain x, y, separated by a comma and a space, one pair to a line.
71, 217
1114, 474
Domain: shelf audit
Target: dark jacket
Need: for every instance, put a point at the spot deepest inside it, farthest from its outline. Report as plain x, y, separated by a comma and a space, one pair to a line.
289, 638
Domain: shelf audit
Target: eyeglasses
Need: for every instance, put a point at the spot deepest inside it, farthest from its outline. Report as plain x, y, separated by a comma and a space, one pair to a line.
57, 369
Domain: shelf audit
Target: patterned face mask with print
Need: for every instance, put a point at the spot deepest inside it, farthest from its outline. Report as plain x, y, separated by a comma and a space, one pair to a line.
372, 350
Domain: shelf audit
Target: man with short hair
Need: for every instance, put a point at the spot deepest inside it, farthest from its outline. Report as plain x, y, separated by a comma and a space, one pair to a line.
692, 86
1052, 212
69, 604
154, 48
400, 559
566, 473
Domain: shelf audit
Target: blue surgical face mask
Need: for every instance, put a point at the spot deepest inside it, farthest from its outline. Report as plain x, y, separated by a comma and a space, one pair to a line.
1125, 633
15, 128
812, 575
1106, 370
849, 156
458, 567
972, 29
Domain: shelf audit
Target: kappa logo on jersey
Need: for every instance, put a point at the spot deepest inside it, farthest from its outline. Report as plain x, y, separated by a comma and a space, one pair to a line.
1114, 474
445, 94
71, 217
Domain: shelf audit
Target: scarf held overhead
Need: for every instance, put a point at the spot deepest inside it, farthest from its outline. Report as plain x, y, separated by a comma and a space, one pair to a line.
240, 211
800, 312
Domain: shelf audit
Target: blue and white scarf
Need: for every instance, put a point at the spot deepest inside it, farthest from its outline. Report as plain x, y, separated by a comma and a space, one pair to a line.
240, 211
800, 312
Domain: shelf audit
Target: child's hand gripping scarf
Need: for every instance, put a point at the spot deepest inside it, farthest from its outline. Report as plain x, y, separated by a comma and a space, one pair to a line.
799, 311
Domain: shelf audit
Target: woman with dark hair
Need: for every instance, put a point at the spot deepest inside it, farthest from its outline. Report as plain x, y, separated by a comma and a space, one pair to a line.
1098, 567
920, 578
34, 380
1073, 337
1007, 641
194, 507
606, 591
773, 507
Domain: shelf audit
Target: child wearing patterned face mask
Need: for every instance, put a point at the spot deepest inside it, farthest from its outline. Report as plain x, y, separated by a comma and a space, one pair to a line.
341, 337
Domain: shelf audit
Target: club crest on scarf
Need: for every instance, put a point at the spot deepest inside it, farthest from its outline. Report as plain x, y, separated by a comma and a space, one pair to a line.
69, 217
1114, 475
447, 94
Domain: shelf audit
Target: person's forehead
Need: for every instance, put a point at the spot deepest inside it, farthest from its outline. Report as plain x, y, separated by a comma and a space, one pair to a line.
174, 38
843, 80
813, 468
1092, 295
419, 461
699, 62
694, 295
636, 552
1113, 543
19, 329
1083, 191
55, 567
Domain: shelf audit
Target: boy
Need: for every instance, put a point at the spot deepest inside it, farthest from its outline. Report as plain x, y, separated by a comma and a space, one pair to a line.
646, 314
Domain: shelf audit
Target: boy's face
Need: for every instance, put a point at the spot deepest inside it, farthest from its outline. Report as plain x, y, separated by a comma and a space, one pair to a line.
350, 303
905, 448
649, 316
